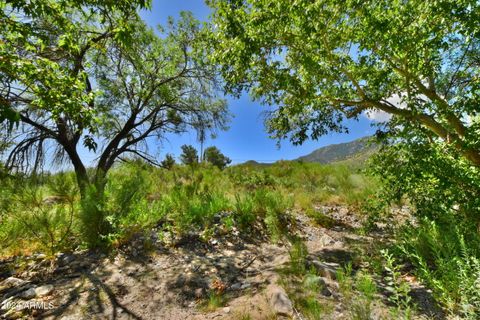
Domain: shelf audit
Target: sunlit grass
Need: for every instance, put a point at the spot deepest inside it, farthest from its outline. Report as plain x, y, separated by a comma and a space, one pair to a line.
138, 197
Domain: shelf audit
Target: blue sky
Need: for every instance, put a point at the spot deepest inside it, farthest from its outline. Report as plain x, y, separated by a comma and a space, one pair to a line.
246, 139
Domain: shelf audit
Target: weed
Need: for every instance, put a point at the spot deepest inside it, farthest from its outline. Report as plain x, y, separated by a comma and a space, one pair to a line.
311, 307
215, 300
398, 288
321, 219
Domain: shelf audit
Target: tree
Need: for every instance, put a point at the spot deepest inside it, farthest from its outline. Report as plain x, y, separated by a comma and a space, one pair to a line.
189, 155
324, 61
168, 162
216, 158
37, 36
93, 72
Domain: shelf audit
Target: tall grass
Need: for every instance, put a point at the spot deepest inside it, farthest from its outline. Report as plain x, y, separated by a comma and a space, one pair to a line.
138, 197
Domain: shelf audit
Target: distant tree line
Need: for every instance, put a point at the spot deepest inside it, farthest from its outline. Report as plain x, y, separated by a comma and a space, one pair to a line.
190, 157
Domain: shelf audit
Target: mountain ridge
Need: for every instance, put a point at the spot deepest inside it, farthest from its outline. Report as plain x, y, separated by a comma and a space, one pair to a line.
360, 148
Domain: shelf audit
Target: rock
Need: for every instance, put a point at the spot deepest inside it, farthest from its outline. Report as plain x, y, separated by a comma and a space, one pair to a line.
229, 253
236, 286
226, 310
325, 291
199, 292
246, 285
326, 269
326, 240
65, 259
28, 294
44, 290
343, 211
313, 281
12, 282
279, 301
40, 256
331, 284
80, 264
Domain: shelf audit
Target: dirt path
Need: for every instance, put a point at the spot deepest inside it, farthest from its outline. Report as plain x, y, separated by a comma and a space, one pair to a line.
179, 283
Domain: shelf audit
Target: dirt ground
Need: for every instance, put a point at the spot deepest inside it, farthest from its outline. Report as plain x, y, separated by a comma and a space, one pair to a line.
177, 281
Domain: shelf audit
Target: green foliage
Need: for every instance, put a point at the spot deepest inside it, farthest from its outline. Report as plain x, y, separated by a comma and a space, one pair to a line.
376, 208
323, 61
168, 162
398, 288
80, 72
244, 211
304, 285
251, 178
215, 301
298, 255
311, 307
94, 227
443, 191
215, 157
445, 255
433, 181
321, 219
31, 221
40, 64
359, 290
137, 197
189, 155
274, 207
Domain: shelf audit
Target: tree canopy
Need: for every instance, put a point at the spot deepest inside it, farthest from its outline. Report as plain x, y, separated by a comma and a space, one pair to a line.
37, 36
168, 162
92, 73
324, 61
189, 155
215, 157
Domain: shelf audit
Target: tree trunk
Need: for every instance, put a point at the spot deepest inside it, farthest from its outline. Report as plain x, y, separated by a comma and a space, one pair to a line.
80, 171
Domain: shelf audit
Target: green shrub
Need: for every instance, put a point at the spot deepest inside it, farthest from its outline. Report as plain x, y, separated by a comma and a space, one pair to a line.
137, 196
37, 225
274, 208
94, 226
445, 255
244, 211
298, 255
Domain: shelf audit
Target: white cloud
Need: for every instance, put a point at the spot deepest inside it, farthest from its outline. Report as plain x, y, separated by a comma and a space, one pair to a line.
377, 115
382, 116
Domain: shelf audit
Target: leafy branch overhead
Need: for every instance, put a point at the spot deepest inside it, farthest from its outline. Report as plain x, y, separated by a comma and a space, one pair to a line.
324, 61
92, 72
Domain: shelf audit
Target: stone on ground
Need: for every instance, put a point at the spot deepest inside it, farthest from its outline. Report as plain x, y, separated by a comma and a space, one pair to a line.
279, 301
44, 290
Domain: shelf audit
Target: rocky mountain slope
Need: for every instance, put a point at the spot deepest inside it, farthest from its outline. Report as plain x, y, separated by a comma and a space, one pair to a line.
359, 149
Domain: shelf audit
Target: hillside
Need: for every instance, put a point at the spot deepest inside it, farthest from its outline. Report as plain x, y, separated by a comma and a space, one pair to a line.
359, 150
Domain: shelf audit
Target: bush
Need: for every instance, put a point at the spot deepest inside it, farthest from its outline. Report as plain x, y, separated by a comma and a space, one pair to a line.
94, 227
444, 254
244, 211
137, 197
444, 192
33, 224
